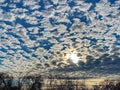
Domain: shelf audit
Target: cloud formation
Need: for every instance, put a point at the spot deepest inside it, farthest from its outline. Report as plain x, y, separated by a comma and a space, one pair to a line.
44, 31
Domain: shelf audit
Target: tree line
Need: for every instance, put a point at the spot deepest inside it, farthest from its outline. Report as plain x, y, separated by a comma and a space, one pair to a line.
37, 83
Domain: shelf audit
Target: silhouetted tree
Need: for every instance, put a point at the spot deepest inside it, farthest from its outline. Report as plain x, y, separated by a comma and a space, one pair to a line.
37, 84
117, 86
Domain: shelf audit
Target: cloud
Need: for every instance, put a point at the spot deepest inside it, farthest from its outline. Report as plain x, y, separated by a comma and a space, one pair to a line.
2, 1
7, 17
47, 33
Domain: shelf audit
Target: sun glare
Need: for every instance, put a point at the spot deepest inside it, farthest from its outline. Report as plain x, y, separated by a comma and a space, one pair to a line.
73, 57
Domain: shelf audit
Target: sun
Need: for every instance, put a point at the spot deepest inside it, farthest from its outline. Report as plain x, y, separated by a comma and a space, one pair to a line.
73, 57
70, 54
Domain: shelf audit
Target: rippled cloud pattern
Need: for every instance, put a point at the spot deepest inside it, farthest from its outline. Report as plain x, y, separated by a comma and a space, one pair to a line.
36, 31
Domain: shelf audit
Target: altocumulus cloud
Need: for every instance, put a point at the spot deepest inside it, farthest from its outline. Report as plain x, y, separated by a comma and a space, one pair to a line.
36, 36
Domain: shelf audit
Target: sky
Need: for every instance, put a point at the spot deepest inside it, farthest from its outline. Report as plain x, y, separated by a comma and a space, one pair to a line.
36, 36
